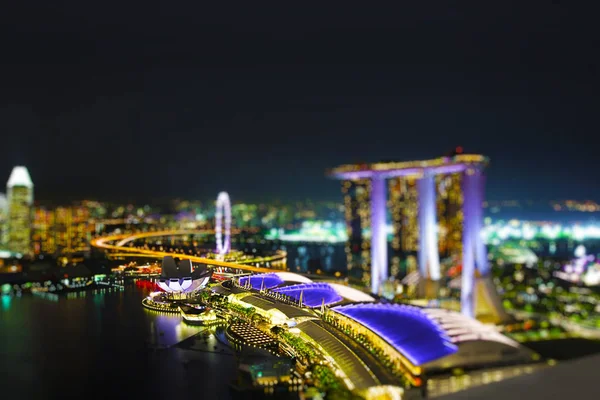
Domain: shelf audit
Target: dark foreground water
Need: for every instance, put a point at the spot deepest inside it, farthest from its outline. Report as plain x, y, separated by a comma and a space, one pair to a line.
103, 344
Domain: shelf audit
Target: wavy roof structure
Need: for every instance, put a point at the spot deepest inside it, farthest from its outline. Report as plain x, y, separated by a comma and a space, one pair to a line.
293, 277
461, 328
407, 328
313, 294
269, 280
350, 293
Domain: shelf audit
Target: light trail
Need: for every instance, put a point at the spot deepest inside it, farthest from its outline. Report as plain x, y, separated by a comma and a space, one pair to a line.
103, 243
129, 238
116, 255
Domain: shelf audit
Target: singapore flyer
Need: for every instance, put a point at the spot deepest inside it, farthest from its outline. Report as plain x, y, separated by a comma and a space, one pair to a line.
223, 210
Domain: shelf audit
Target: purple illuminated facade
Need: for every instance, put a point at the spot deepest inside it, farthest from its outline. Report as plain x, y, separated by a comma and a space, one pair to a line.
379, 260
470, 166
223, 212
407, 328
313, 294
429, 260
261, 281
474, 252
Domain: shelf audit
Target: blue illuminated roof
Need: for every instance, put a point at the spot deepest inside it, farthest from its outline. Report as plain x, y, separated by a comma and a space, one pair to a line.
407, 328
270, 280
313, 294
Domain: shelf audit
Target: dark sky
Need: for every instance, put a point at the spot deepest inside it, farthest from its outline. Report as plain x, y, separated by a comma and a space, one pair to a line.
139, 100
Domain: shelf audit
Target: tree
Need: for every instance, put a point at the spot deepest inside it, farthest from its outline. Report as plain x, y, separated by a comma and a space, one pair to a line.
277, 330
256, 318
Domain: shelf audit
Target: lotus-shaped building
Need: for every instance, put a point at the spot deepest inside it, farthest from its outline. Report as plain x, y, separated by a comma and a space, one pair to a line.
178, 276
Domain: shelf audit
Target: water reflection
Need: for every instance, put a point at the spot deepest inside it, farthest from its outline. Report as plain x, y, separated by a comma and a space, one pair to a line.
6, 302
168, 329
85, 344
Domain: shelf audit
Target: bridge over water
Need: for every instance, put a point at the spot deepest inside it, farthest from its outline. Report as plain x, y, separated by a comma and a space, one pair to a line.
117, 243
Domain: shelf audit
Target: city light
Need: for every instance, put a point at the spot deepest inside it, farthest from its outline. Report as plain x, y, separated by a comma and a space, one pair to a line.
311, 231
494, 232
330, 202
252, 293
19, 190
365, 211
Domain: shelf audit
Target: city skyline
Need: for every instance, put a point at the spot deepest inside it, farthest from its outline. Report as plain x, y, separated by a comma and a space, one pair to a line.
299, 201
566, 202
91, 111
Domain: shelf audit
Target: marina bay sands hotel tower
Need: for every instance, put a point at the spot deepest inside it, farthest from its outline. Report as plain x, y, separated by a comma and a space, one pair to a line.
436, 207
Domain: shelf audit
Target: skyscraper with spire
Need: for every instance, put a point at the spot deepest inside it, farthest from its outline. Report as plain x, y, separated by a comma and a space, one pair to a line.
19, 190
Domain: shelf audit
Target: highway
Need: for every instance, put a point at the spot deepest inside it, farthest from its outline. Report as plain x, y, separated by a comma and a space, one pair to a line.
105, 243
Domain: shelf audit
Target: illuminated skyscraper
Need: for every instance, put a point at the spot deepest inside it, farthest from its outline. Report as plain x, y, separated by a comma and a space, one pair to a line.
81, 229
448, 189
403, 204
358, 224
3, 219
20, 202
63, 228
63, 231
449, 215
43, 232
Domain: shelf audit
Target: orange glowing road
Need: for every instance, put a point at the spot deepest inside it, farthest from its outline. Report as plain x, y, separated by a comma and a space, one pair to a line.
128, 238
103, 243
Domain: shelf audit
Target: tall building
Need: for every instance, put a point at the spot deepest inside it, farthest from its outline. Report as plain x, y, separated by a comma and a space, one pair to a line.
62, 231
44, 241
73, 229
3, 220
450, 216
20, 201
358, 224
436, 204
403, 205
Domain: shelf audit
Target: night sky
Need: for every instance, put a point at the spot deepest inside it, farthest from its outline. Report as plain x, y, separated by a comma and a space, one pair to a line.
144, 100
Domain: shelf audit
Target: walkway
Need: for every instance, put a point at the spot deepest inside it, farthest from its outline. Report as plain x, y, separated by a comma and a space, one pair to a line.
354, 368
288, 310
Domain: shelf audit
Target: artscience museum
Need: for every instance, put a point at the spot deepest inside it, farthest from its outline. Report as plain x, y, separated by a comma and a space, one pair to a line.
179, 277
